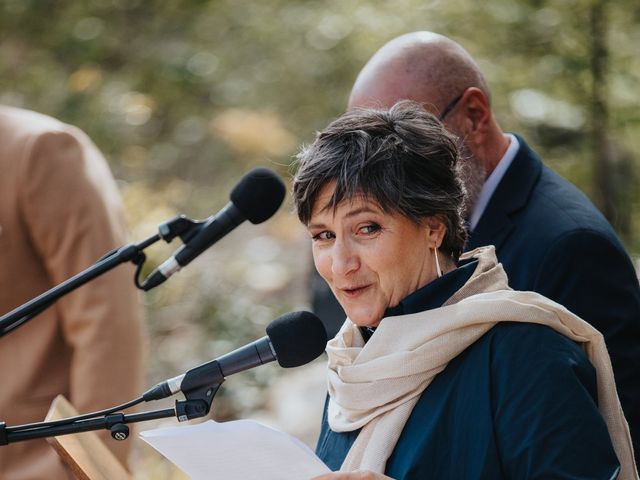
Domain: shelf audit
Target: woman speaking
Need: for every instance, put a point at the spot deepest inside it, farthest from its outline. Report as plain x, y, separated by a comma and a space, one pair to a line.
440, 370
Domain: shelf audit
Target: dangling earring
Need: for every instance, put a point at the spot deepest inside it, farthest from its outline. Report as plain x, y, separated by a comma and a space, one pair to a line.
438, 270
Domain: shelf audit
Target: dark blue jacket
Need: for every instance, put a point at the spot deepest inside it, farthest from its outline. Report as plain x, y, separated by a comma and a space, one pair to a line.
552, 240
520, 403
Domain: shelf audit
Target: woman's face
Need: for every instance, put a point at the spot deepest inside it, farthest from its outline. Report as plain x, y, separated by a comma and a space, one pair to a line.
370, 259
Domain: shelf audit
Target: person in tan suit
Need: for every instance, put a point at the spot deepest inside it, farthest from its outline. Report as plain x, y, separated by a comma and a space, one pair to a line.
60, 211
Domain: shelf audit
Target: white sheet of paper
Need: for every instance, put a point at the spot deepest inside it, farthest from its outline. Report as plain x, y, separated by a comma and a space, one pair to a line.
238, 450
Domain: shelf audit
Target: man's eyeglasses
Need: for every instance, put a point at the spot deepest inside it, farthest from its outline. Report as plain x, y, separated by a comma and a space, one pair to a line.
449, 108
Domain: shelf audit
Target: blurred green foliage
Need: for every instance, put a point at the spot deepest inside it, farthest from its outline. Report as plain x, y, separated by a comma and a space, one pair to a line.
183, 96
152, 82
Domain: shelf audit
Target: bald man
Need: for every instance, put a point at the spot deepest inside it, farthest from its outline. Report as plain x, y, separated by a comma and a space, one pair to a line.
549, 237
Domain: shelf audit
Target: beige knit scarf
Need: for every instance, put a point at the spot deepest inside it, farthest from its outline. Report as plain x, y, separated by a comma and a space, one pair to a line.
375, 386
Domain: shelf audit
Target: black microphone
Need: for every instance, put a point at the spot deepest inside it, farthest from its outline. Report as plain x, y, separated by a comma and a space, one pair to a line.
256, 197
294, 339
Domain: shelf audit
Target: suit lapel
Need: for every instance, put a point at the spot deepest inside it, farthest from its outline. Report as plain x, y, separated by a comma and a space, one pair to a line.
511, 195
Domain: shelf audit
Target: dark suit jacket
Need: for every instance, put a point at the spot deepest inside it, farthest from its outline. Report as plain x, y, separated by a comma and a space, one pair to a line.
551, 239
519, 403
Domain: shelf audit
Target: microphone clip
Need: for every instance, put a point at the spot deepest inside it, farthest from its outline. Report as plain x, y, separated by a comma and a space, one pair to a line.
179, 226
197, 403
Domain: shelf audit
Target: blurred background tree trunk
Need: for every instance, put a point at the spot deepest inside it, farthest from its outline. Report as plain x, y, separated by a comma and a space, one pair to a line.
612, 168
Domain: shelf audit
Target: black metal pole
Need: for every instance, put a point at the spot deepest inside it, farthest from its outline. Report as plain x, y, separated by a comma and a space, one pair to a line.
122, 255
8, 435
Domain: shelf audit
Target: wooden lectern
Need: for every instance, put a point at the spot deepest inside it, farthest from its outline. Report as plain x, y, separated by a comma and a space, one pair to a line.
84, 453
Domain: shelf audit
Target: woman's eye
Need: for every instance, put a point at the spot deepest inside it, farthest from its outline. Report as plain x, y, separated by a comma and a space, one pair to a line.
369, 229
326, 235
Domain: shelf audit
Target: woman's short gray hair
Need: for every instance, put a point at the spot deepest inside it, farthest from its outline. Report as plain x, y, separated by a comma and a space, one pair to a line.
401, 158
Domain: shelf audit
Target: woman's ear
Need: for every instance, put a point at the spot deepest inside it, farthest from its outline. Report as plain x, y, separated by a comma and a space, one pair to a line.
436, 231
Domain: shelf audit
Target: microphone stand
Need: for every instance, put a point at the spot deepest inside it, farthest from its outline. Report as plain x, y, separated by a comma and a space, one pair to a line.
179, 226
197, 404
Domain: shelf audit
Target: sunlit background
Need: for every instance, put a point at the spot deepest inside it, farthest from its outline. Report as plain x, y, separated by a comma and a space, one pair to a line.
183, 97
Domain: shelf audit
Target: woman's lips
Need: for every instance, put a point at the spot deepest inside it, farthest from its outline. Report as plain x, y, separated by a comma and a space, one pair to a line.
353, 292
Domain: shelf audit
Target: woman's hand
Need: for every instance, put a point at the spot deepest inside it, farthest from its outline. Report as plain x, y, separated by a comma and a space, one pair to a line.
359, 475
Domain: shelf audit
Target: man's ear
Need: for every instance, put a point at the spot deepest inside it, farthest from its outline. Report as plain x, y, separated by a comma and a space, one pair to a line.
476, 113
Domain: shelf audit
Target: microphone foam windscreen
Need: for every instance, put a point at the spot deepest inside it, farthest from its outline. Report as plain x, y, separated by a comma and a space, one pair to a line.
258, 194
297, 338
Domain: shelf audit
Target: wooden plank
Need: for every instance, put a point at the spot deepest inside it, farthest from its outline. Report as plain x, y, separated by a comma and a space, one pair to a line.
84, 453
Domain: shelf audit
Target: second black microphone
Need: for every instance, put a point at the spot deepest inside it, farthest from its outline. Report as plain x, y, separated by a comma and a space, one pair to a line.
256, 197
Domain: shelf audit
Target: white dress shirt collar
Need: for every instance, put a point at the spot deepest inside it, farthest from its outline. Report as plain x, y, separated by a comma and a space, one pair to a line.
493, 181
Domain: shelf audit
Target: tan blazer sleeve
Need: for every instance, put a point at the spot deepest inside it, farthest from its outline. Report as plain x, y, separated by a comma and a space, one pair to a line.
74, 215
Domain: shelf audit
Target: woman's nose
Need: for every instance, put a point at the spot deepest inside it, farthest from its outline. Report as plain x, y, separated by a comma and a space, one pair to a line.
344, 259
